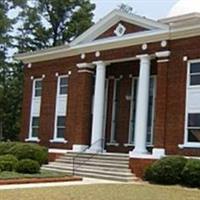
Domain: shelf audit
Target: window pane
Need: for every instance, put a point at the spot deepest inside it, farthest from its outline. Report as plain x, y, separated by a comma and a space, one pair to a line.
35, 121
195, 80
194, 135
60, 132
194, 120
38, 92
195, 68
35, 132
61, 121
63, 90
38, 84
63, 81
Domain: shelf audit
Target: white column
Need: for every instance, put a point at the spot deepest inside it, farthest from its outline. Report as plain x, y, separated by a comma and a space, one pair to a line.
98, 111
142, 106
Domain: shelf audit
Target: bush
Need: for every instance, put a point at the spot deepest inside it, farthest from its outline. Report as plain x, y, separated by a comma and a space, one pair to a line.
30, 151
25, 151
28, 166
191, 173
166, 170
5, 147
8, 162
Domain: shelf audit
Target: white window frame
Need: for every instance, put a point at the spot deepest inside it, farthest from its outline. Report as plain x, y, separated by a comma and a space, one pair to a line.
58, 85
30, 137
113, 118
55, 138
187, 112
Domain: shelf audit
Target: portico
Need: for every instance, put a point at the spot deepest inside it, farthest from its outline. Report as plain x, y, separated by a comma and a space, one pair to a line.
99, 138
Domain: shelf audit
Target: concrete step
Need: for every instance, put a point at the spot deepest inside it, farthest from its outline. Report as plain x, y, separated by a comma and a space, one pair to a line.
106, 166
99, 176
80, 159
97, 156
95, 162
92, 167
91, 170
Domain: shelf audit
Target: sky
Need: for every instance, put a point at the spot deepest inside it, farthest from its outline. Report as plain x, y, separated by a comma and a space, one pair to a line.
153, 9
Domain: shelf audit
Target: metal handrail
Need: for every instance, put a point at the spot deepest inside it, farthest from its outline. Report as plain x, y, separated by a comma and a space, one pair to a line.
83, 151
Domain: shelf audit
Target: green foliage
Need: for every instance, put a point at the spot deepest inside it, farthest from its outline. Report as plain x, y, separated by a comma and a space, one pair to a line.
191, 173
25, 151
43, 23
28, 166
30, 151
166, 170
8, 163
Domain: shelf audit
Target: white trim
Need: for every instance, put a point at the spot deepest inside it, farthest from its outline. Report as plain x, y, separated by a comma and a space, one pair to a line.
112, 144
105, 109
109, 43
189, 145
58, 140
55, 138
162, 54
85, 71
111, 19
130, 132
33, 98
57, 151
188, 86
32, 139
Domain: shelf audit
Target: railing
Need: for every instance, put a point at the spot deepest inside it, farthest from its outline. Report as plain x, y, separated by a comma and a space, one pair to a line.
78, 155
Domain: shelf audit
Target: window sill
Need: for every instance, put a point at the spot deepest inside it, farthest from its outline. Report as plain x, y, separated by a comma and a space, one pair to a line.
58, 141
32, 140
189, 145
129, 145
112, 144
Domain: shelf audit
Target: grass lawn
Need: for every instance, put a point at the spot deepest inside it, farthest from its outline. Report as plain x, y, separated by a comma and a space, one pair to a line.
103, 192
42, 174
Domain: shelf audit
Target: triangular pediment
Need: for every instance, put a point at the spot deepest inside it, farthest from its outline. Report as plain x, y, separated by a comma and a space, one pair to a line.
117, 24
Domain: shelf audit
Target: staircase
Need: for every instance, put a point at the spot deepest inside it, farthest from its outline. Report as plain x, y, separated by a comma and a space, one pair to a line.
110, 166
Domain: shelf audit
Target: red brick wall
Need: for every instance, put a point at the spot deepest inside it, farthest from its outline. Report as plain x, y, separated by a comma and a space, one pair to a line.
175, 91
138, 166
130, 28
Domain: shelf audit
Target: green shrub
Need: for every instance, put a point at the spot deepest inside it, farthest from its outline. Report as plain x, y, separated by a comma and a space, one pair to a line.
191, 173
30, 151
5, 147
25, 151
166, 170
28, 166
8, 162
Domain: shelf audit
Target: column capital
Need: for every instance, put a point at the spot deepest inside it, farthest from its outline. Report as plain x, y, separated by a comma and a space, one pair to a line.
143, 56
85, 67
99, 62
163, 54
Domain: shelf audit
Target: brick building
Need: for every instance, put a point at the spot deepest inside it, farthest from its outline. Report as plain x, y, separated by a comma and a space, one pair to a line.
127, 85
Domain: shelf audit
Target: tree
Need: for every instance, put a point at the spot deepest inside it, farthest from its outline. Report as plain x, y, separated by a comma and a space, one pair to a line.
39, 24
49, 23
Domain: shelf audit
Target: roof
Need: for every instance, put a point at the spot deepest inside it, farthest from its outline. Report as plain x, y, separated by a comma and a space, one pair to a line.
85, 43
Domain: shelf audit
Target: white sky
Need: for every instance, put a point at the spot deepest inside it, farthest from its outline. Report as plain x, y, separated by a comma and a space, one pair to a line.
153, 9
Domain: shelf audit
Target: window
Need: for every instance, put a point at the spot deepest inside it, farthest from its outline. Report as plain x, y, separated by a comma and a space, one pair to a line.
38, 88
35, 127
193, 129
195, 73
63, 85
60, 127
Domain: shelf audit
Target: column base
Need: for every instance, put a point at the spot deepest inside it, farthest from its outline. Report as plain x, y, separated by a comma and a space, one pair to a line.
158, 152
79, 147
95, 150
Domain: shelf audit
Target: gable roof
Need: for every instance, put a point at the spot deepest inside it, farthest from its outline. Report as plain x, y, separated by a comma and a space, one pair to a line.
111, 19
